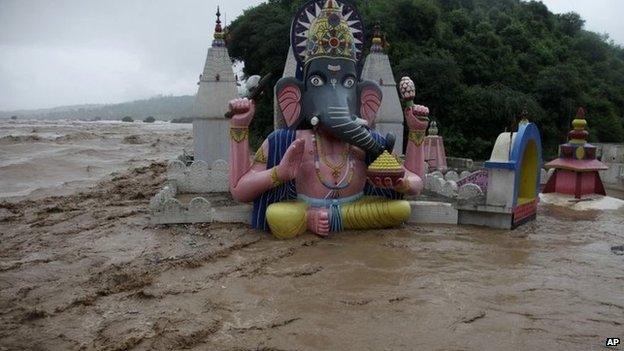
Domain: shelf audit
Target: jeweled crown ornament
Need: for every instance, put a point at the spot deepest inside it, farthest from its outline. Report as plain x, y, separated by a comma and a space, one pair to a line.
327, 28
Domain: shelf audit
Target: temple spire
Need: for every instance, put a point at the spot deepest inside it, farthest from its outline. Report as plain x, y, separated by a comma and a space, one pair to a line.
219, 37
217, 87
377, 68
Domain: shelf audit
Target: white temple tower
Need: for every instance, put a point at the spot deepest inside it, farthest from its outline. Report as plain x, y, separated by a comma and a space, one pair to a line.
217, 86
377, 69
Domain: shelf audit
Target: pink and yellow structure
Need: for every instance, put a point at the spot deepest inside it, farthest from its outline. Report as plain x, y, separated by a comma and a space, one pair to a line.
329, 169
576, 169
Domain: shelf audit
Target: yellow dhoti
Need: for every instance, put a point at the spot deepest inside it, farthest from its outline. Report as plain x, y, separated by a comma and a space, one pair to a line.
373, 212
289, 219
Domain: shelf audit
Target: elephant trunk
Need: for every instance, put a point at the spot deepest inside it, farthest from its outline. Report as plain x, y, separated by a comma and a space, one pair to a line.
343, 125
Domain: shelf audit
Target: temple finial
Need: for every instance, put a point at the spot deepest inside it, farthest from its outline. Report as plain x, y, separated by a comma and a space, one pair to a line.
524, 116
218, 35
579, 134
433, 128
377, 40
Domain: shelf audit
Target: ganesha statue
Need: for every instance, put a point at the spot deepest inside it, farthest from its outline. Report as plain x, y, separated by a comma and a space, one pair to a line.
328, 170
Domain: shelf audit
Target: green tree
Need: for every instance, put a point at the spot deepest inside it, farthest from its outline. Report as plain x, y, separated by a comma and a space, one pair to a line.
476, 63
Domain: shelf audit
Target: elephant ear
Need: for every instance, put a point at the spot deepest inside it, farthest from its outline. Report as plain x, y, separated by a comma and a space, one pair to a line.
289, 99
370, 101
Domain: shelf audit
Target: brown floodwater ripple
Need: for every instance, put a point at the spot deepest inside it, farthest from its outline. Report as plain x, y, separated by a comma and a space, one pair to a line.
88, 271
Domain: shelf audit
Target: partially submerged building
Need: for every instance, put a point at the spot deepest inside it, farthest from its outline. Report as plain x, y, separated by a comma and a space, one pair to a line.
576, 168
217, 86
193, 188
513, 181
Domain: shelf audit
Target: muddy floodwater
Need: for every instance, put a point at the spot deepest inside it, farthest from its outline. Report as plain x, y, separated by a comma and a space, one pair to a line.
43, 158
86, 270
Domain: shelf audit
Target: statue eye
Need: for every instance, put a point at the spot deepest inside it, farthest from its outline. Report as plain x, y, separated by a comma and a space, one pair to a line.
317, 81
349, 82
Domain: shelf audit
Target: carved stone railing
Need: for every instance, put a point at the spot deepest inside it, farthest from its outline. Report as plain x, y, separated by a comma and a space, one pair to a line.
464, 186
202, 184
480, 178
199, 177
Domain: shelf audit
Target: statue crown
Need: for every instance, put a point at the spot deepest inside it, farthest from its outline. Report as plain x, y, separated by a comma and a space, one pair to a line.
333, 30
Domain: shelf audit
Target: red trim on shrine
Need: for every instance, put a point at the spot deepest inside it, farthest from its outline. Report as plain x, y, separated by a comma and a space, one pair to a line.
524, 213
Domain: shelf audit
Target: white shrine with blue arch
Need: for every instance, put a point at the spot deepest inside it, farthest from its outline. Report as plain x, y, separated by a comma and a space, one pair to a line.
513, 181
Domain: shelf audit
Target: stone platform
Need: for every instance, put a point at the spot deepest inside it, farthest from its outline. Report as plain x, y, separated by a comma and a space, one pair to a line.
430, 212
169, 207
197, 193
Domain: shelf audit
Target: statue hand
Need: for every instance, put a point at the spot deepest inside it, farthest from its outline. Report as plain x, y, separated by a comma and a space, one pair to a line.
244, 110
402, 185
289, 166
417, 117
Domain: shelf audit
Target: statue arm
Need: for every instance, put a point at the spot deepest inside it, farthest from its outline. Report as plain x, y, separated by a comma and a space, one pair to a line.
246, 184
240, 162
417, 122
257, 179
249, 179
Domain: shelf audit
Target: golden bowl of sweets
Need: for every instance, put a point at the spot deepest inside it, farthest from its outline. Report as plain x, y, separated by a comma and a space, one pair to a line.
385, 166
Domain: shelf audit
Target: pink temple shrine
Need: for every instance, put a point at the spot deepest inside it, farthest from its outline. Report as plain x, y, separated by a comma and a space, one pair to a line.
435, 156
576, 169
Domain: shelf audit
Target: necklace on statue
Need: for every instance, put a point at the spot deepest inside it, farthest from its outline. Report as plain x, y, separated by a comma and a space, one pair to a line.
336, 168
338, 185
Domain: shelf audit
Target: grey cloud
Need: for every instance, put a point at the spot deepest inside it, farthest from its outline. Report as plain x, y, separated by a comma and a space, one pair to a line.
86, 51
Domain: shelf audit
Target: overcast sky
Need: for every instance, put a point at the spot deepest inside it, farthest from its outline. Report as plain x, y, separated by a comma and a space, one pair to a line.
64, 52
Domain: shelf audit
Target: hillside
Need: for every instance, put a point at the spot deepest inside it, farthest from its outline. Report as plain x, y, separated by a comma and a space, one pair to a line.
160, 107
477, 64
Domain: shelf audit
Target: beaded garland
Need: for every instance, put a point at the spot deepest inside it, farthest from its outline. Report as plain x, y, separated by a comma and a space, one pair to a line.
336, 169
338, 185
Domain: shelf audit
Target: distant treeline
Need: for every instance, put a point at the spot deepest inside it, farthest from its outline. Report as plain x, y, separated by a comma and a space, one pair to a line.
162, 108
477, 64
